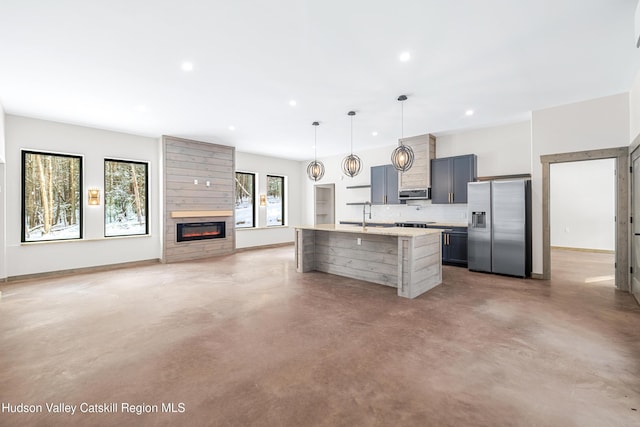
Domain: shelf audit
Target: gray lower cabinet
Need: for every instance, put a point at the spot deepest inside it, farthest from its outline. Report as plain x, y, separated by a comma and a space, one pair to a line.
454, 245
384, 185
454, 252
449, 178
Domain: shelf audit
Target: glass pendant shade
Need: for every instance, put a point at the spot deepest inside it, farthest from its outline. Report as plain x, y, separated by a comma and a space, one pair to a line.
315, 170
402, 158
351, 165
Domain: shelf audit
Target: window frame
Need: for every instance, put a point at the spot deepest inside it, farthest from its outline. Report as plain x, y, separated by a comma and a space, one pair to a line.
23, 201
283, 208
146, 196
253, 201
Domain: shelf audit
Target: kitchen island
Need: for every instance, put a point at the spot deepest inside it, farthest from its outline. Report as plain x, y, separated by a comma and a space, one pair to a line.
408, 259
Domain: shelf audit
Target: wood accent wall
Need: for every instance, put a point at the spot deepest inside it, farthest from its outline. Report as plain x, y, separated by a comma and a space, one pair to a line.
421, 268
185, 161
375, 260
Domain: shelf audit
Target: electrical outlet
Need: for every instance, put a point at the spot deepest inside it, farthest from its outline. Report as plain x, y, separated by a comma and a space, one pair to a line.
359, 241
195, 181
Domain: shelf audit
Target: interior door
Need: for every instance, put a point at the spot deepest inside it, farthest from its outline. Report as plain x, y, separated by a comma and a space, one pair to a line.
635, 207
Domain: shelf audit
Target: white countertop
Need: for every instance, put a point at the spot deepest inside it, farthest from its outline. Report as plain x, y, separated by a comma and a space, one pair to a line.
433, 224
383, 231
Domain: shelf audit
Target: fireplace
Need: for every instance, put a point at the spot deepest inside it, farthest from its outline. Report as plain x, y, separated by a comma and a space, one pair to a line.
200, 231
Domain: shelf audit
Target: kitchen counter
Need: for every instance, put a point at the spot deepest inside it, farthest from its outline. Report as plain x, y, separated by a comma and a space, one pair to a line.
370, 229
391, 224
409, 259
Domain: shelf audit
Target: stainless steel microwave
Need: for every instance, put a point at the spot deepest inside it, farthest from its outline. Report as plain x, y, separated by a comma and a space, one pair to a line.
415, 194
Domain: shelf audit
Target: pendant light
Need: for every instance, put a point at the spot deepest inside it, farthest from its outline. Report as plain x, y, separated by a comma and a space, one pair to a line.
351, 164
315, 169
402, 157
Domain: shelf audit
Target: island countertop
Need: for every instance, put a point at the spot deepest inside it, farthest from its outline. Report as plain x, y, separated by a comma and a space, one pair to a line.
392, 223
382, 231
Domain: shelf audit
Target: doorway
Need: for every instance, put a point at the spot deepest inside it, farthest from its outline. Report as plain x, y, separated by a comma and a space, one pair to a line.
324, 204
635, 226
621, 156
582, 220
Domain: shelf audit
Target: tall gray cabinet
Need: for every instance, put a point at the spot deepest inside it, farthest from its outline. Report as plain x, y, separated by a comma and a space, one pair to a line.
384, 185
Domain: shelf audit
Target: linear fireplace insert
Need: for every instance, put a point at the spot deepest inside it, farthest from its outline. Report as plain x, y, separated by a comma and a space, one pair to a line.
200, 231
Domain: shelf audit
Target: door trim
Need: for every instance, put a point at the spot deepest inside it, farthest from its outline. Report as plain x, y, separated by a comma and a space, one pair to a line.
634, 155
621, 155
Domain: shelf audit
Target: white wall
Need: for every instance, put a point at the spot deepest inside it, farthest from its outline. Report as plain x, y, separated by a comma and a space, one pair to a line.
94, 145
3, 202
263, 166
594, 124
2, 137
501, 150
583, 204
634, 109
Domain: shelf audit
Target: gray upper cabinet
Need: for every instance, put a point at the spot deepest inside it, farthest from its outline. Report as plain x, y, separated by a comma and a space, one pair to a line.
419, 176
449, 178
384, 185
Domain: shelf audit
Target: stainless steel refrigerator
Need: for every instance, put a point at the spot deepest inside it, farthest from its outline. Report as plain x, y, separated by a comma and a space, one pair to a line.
499, 215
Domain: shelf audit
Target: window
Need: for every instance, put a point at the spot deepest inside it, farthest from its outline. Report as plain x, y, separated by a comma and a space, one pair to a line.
245, 200
275, 200
125, 198
51, 197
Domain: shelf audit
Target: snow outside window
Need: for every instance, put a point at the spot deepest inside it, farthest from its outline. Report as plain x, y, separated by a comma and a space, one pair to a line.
125, 198
275, 200
51, 197
245, 200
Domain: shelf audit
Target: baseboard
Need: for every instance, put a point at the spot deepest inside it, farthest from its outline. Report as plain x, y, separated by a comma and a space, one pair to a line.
537, 276
98, 268
273, 245
599, 251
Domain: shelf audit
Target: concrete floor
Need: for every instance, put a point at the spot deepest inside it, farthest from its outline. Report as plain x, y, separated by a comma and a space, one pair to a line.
244, 340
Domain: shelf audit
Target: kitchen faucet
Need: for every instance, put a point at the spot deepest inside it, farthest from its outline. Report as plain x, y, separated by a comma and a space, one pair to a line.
364, 213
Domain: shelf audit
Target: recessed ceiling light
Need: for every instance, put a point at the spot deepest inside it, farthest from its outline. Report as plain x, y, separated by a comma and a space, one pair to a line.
293, 103
232, 128
374, 133
187, 66
405, 56
469, 112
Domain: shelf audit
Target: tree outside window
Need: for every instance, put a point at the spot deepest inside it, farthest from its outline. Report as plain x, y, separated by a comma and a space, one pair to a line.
125, 198
245, 200
275, 200
51, 197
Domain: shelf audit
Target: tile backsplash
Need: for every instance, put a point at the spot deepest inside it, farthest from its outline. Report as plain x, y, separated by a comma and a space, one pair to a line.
417, 210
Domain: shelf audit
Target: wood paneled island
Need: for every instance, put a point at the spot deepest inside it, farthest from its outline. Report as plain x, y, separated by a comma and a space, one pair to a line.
408, 259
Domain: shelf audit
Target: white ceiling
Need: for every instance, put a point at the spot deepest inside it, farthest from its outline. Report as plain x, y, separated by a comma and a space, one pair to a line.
116, 64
